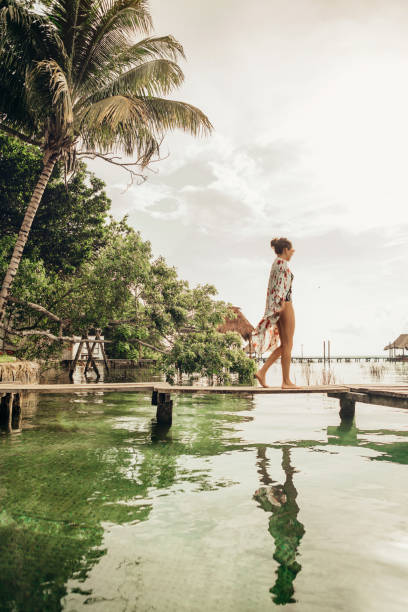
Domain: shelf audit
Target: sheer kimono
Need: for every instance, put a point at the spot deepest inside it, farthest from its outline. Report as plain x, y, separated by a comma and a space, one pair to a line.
266, 335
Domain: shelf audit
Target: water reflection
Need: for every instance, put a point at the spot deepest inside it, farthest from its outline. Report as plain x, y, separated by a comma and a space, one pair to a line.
160, 433
87, 461
348, 434
344, 434
286, 530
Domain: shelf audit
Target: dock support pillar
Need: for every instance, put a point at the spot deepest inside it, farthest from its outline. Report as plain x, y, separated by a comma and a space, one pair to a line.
347, 408
10, 412
164, 403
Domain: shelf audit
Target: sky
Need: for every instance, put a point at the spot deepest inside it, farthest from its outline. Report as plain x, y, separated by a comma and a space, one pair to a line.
308, 100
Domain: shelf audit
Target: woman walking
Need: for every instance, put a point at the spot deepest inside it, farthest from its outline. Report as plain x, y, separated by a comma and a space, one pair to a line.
279, 319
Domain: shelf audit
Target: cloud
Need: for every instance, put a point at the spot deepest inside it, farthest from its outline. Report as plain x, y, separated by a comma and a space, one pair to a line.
350, 330
309, 142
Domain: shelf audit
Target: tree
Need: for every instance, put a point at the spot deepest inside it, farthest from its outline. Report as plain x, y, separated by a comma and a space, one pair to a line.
144, 303
69, 226
73, 80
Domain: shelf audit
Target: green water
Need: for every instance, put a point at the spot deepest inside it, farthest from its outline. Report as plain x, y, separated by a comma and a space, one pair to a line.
244, 504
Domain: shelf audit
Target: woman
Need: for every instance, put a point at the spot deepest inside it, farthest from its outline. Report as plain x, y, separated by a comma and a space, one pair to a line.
279, 318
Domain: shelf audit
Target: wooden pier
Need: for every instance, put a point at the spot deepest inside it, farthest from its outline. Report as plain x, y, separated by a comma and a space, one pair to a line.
161, 395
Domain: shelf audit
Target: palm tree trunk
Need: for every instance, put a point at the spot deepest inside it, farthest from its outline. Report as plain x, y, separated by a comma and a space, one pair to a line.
25, 230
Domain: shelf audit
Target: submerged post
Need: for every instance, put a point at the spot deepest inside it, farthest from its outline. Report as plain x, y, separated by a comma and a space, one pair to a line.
164, 403
347, 408
10, 411
9, 405
347, 404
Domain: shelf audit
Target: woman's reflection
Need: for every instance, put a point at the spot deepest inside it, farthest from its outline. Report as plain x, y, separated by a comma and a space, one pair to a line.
284, 527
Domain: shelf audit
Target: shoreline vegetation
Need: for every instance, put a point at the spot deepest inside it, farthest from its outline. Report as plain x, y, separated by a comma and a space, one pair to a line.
68, 267
7, 358
77, 253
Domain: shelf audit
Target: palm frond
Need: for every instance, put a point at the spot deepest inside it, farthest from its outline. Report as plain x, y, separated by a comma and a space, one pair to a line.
167, 115
157, 77
70, 17
15, 111
122, 57
57, 86
118, 123
165, 47
33, 33
114, 111
110, 29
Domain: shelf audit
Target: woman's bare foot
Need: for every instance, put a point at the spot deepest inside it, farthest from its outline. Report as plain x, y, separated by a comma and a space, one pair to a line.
289, 385
261, 380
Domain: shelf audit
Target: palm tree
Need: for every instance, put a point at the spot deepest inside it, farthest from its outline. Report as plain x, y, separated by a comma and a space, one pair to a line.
74, 78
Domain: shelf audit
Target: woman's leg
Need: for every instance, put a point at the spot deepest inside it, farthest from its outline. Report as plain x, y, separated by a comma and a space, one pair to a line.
271, 359
286, 331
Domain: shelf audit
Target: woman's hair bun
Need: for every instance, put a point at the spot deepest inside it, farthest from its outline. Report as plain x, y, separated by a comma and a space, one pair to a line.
279, 244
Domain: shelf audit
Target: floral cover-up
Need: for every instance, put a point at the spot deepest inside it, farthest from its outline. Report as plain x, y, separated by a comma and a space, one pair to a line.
266, 335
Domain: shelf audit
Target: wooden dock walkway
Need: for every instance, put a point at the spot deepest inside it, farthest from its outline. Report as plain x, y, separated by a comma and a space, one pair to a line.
386, 395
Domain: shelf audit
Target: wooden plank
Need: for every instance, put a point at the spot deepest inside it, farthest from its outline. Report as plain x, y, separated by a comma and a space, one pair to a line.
401, 392
75, 388
252, 390
374, 398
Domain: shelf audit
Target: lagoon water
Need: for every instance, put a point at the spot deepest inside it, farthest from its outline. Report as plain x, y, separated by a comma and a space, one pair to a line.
245, 504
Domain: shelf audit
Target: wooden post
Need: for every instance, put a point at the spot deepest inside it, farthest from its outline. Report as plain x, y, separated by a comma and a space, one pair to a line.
164, 414
91, 359
74, 363
16, 416
324, 351
3, 408
328, 350
347, 408
10, 399
105, 359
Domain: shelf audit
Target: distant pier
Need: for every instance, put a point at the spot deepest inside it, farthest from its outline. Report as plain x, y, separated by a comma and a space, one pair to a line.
345, 358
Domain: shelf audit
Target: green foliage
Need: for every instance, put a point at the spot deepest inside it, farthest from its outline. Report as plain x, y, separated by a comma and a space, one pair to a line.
91, 273
209, 353
70, 224
124, 283
121, 348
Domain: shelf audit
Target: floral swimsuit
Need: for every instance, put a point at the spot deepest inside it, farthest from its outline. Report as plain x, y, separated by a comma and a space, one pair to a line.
288, 297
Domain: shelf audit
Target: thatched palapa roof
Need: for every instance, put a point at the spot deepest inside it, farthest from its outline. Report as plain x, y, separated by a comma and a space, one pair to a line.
400, 343
240, 324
